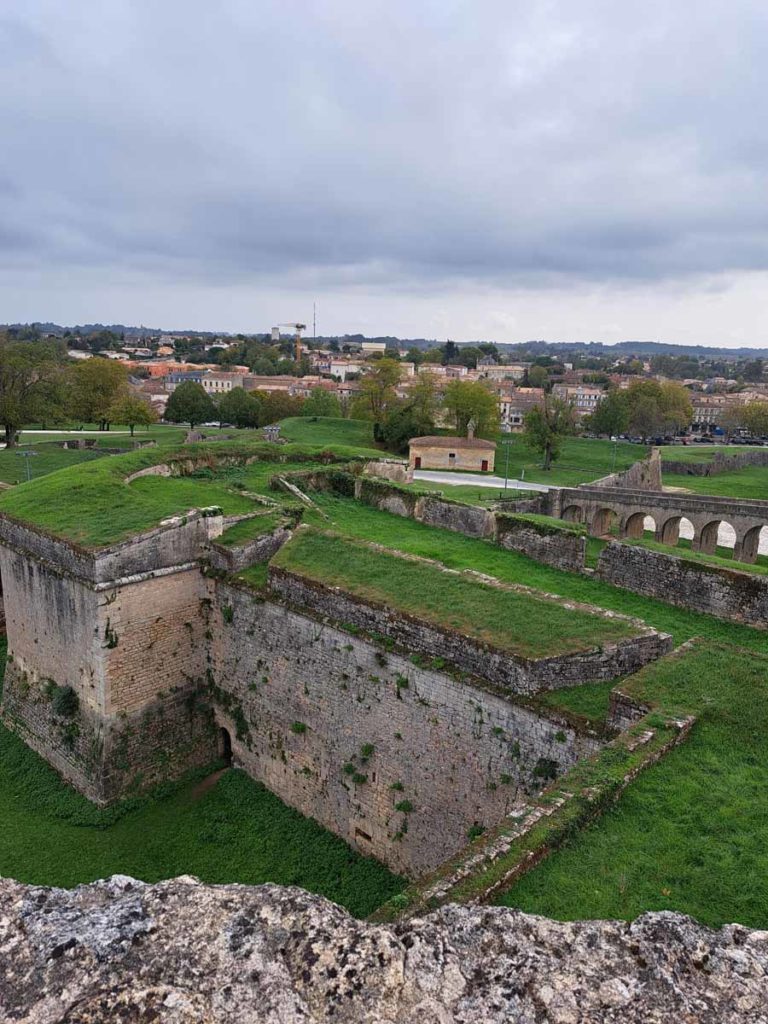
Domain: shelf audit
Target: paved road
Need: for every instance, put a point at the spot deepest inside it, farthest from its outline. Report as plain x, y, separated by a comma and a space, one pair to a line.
476, 480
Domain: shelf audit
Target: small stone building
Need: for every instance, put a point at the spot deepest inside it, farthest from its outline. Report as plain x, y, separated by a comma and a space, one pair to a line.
467, 453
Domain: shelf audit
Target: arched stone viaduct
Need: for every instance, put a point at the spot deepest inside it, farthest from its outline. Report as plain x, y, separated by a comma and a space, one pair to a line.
600, 508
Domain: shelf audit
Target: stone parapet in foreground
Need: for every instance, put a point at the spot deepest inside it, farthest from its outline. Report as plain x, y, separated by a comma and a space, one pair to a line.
179, 952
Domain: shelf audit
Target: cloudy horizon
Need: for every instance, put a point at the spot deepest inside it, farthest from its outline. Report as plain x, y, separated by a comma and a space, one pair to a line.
500, 170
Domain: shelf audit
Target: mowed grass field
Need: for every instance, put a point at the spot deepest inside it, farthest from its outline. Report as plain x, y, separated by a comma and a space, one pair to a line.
459, 552
522, 624
691, 833
234, 830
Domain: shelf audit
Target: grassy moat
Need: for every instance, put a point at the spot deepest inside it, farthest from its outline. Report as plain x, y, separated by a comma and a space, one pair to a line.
690, 834
220, 826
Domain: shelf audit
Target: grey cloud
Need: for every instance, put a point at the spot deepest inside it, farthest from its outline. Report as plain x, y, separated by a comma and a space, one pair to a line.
510, 142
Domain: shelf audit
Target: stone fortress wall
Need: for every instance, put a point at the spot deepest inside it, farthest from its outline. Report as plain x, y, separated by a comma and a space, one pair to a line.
125, 663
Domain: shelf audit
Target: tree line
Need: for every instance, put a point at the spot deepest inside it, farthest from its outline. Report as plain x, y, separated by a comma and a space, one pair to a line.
40, 384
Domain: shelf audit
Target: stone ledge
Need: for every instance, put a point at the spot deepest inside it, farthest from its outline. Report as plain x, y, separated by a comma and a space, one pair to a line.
180, 951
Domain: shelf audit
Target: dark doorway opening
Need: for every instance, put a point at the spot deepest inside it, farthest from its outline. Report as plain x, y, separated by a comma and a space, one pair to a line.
225, 747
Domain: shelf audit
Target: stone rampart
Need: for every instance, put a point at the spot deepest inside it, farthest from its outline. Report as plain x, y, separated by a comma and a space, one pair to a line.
715, 590
237, 557
563, 548
511, 673
109, 757
400, 760
643, 475
451, 515
178, 540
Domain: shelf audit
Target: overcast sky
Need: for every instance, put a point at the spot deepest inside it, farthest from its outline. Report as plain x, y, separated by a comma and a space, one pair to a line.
560, 169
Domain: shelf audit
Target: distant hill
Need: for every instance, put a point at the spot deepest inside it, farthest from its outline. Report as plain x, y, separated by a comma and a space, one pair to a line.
534, 346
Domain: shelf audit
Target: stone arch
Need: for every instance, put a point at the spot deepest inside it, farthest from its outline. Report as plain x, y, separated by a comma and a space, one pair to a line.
634, 525
573, 514
675, 527
716, 533
747, 546
604, 522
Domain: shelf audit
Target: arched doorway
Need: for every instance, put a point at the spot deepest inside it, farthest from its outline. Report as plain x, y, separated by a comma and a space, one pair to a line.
604, 523
225, 747
639, 525
572, 514
717, 538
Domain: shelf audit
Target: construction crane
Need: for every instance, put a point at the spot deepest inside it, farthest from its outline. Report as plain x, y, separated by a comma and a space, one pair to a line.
297, 329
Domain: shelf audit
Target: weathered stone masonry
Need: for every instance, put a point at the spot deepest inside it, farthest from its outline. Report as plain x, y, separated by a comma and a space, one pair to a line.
126, 663
400, 760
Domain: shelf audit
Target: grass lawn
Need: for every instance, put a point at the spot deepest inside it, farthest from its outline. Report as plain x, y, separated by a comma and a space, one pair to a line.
249, 529
583, 459
589, 700
699, 453
92, 505
690, 834
750, 482
724, 558
236, 831
46, 459
460, 552
328, 430
516, 622
471, 494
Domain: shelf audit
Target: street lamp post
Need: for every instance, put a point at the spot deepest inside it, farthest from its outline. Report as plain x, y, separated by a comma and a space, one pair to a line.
27, 456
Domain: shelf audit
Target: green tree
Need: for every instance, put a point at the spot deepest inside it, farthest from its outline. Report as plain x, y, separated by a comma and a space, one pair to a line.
30, 374
753, 370
321, 403
538, 376
240, 407
611, 415
189, 403
278, 405
377, 391
95, 386
656, 407
403, 422
754, 418
134, 411
546, 427
468, 402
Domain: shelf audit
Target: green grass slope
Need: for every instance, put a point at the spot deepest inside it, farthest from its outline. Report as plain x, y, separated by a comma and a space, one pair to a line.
690, 834
517, 622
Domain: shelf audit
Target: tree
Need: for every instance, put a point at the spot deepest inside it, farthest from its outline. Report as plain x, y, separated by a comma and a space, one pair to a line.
30, 373
240, 407
321, 403
95, 386
377, 390
538, 377
422, 397
655, 408
189, 403
450, 352
546, 427
134, 411
472, 401
754, 418
278, 405
612, 414
753, 370
404, 422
